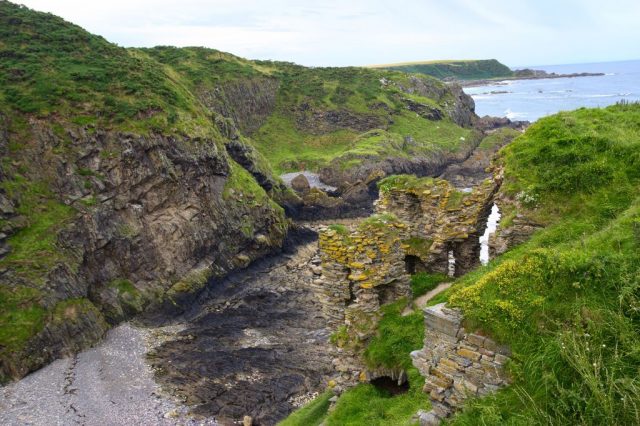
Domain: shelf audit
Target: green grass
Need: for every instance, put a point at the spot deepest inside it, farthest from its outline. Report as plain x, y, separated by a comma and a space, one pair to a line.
455, 199
50, 66
124, 286
395, 338
498, 137
423, 282
340, 229
21, 316
364, 405
367, 405
33, 248
432, 136
289, 149
567, 301
406, 182
311, 414
241, 186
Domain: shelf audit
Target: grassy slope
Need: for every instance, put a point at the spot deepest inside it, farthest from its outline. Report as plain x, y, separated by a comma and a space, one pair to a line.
461, 70
567, 301
55, 69
359, 91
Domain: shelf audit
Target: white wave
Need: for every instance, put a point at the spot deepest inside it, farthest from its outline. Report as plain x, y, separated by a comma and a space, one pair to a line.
610, 73
511, 115
608, 95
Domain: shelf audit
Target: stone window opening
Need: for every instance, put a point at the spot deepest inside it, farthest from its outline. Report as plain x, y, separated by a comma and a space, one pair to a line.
386, 293
451, 263
411, 264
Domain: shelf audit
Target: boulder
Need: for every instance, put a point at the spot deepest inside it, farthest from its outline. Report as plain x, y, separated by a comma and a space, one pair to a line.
358, 193
300, 184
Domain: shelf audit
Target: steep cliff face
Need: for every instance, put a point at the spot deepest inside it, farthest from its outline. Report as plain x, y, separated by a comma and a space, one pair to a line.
118, 187
248, 102
148, 219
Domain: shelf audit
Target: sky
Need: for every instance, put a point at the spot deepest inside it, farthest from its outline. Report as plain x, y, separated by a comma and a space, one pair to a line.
358, 32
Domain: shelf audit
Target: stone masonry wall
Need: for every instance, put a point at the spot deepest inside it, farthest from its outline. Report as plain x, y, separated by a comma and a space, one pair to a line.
456, 364
440, 219
361, 270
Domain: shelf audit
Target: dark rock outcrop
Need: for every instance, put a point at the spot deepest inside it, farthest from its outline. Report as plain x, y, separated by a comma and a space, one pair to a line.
254, 344
156, 218
375, 167
319, 121
247, 102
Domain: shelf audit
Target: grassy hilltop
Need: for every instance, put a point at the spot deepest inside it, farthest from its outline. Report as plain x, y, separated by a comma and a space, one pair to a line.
567, 301
472, 69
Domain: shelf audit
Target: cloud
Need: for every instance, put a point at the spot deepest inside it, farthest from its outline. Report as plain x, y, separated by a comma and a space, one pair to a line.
361, 32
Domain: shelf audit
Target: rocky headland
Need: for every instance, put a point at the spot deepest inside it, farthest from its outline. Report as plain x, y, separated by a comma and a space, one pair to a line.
526, 74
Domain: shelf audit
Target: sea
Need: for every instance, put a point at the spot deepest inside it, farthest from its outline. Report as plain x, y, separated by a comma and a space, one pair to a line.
531, 99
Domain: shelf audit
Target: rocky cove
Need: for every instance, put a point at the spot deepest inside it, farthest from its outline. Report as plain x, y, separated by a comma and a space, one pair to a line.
257, 342
149, 192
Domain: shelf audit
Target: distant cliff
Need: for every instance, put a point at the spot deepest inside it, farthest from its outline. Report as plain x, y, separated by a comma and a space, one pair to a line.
457, 70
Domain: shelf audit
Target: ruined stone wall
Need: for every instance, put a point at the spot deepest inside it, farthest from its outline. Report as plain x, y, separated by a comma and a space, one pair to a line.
361, 270
441, 218
456, 364
514, 227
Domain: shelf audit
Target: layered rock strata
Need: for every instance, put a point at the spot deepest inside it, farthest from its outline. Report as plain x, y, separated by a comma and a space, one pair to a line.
147, 220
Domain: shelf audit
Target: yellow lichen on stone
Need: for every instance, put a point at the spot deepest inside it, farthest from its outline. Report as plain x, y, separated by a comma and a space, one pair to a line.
357, 277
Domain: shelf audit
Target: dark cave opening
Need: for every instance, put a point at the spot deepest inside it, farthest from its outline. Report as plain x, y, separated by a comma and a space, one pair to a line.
390, 386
